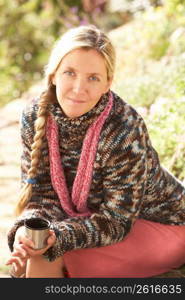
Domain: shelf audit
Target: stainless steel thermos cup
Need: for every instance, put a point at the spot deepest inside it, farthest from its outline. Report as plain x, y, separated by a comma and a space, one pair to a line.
37, 229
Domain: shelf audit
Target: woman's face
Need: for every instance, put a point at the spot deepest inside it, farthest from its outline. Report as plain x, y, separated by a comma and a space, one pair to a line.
81, 80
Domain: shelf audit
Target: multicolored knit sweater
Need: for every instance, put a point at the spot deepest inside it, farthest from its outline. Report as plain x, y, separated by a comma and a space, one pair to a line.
128, 181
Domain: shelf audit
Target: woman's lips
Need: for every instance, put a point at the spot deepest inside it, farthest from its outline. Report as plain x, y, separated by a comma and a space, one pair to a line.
76, 100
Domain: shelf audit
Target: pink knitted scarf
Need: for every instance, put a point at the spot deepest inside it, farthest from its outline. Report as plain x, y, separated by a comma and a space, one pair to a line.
77, 205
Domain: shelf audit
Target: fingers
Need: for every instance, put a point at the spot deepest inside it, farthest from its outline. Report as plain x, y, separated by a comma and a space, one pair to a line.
20, 251
25, 241
52, 238
17, 262
24, 247
18, 257
33, 252
18, 266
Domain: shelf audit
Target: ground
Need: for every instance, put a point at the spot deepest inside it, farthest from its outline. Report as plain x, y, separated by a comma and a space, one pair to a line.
10, 152
9, 183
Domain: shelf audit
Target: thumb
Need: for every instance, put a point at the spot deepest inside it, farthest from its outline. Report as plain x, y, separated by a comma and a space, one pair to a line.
52, 238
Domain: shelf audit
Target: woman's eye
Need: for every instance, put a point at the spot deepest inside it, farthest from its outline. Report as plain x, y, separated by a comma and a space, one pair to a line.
94, 78
70, 73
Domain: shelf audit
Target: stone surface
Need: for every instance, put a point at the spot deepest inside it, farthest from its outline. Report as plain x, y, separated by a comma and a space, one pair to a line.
10, 153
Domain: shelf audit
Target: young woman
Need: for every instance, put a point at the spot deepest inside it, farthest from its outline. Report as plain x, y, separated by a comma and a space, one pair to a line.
88, 166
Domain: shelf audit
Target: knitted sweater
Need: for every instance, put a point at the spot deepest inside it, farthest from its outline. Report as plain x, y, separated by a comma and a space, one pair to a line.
128, 181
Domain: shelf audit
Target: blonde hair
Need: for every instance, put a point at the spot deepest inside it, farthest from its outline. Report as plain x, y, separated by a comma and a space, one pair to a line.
87, 37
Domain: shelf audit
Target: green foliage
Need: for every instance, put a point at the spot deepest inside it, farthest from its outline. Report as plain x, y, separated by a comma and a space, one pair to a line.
157, 35
138, 90
157, 32
175, 7
162, 93
22, 36
165, 80
166, 124
176, 73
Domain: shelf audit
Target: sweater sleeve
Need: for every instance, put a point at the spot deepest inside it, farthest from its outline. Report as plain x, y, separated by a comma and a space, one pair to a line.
43, 196
123, 152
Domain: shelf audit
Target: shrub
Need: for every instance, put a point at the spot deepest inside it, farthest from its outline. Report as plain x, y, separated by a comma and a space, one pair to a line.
166, 125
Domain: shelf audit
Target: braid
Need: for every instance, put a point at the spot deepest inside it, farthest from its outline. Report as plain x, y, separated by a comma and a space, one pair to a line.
40, 125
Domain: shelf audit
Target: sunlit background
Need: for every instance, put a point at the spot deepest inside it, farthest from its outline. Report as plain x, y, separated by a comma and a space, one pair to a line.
149, 37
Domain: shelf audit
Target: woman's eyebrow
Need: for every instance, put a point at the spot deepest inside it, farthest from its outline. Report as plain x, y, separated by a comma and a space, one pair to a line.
98, 74
90, 73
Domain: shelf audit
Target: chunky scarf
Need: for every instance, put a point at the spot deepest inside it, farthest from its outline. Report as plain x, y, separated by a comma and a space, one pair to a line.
77, 205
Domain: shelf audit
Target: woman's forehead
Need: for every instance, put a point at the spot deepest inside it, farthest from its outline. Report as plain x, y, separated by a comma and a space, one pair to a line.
82, 59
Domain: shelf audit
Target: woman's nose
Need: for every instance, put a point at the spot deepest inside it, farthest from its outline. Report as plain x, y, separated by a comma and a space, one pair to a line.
79, 85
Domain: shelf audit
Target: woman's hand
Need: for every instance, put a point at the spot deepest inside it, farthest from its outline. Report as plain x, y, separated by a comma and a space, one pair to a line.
29, 247
23, 249
18, 263
19, 256
25, 246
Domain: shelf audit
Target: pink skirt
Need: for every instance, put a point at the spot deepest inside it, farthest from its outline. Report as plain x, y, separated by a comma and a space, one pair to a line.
149, 249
